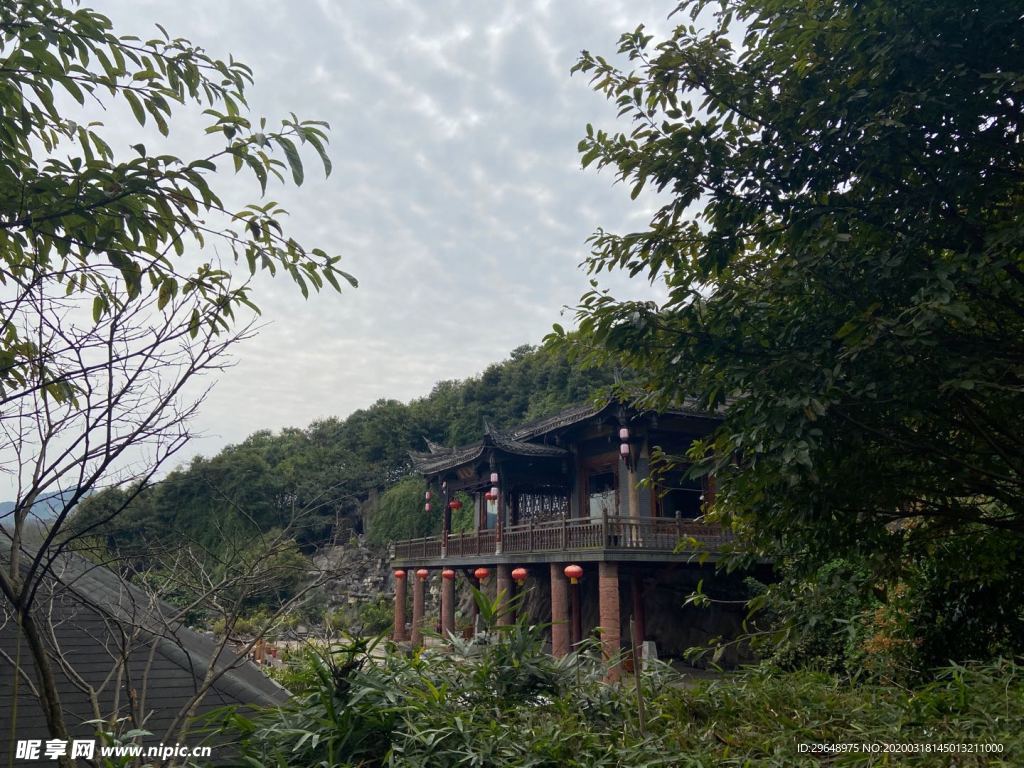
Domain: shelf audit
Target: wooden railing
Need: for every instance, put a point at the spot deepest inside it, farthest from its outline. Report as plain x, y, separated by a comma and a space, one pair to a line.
651, 534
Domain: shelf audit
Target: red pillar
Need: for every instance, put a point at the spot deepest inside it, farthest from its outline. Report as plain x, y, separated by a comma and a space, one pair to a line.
559, 611
504, 593
400, 594
417, 609
611, 629
447, 602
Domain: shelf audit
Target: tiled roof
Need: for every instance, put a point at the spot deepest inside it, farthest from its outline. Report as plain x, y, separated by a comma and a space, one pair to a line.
98, 621
521, 441
440, 459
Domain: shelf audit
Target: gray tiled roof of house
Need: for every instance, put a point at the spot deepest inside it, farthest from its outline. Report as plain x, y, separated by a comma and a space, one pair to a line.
100, 624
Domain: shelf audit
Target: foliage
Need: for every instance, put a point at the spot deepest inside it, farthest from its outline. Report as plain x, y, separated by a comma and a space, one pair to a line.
259, 623
959, 600
74, 206
504, 702
399, 514
364, 618
112, 300
840, 234
962, 599
330, 469
817, 622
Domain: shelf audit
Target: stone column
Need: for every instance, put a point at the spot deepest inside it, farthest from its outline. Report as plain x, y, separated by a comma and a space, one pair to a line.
400, 594
611, 623
417, 610
447, 603
505, 593
559, 611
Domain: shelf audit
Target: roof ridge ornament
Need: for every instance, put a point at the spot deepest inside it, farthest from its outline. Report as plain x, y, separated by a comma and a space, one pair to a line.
436, 447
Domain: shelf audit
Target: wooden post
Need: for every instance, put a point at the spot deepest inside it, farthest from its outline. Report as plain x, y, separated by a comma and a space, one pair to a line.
504, 594
559, 612
710, 488
474, 611
400, 596
611, 628
577, 615
639, 631
447, 605
634, 507
446, 520
418, 589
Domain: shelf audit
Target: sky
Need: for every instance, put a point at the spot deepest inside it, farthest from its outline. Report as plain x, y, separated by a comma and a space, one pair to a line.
457, 199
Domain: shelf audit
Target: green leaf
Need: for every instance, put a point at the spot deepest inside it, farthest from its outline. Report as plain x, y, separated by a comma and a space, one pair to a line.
294, 161
136, 105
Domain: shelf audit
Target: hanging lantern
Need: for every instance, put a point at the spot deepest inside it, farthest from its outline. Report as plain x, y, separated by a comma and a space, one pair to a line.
422, 574
399, 574
494, 478
481, 574
426, 507
574, 573
427, 495
444, 486
623, 434
494, 491
624, 449
519, 576
447, 574
455, 505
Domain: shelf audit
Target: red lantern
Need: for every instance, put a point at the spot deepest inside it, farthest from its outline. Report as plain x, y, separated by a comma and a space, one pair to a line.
422, 574
494, 478
399, 574
574, 573
427, 495
481, 574
426, 507
455, 505
624, 449
447, 574
624, 434
519, 576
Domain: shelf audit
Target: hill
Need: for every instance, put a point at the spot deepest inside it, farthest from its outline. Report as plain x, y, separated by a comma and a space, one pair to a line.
329, 470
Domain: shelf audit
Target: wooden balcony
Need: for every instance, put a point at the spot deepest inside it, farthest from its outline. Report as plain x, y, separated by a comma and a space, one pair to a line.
609, 538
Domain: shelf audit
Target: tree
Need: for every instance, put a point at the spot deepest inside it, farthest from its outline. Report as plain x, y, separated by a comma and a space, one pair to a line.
108, 309
841, 235
66, 218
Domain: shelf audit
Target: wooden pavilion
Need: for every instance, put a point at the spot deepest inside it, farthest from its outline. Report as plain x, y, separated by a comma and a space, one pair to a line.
568, 491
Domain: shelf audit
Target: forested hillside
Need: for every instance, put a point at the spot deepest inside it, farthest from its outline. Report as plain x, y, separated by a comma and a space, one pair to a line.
327, 471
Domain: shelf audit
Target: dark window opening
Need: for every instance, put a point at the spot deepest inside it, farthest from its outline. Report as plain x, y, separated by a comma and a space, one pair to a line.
680, 496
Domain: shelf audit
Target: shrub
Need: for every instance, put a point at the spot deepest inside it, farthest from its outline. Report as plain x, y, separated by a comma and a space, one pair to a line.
499, 701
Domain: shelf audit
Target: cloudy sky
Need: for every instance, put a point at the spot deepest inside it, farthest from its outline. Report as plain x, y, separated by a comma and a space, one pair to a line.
457, 199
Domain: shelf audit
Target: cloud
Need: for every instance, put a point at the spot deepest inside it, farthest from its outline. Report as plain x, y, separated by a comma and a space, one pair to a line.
456, 198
